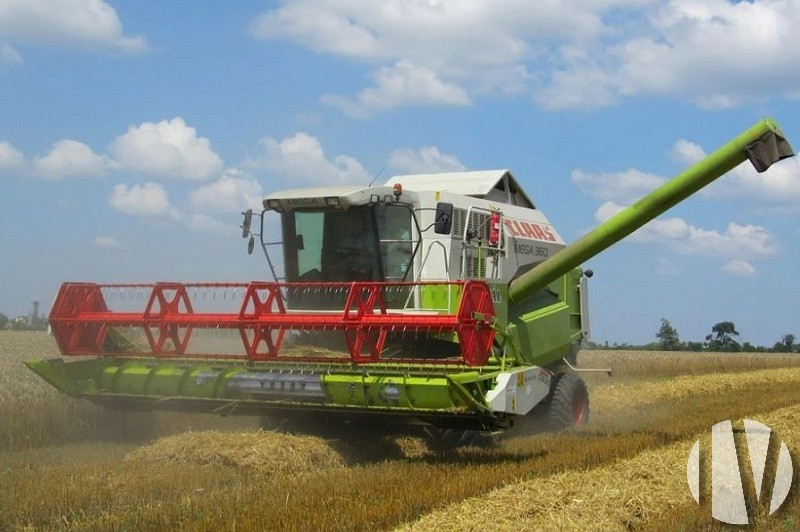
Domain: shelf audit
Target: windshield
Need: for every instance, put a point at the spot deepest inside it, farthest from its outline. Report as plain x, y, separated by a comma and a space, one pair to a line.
368, 243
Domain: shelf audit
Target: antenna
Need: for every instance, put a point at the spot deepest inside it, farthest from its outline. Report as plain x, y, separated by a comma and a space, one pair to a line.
376, 176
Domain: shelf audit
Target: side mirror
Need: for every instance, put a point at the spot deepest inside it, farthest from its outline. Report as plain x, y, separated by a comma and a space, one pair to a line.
247, 222
251, 244
443, 221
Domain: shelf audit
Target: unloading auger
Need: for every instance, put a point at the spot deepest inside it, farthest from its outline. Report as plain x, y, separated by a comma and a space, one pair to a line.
443, 300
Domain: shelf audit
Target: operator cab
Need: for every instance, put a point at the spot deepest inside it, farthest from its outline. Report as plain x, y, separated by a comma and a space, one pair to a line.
362, 243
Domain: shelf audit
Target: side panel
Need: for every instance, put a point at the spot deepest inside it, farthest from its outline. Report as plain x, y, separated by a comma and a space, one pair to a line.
548, 323
519, 390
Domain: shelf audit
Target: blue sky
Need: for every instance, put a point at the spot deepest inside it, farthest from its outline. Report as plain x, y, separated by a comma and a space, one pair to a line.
133, 133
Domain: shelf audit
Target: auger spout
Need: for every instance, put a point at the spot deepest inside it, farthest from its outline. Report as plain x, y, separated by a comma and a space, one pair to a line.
763, 144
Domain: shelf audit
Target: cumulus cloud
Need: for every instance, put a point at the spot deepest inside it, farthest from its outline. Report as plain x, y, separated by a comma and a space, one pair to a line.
739, 268
145, 200
687, 152
302, 158
151, 201
324, 30
80, 23
427, 159
106, 242
232, 193
10, 157
716, 53
168, 149
69, 158
735, 241
452, 35
431, 52
622, 187
779, 185
403, 84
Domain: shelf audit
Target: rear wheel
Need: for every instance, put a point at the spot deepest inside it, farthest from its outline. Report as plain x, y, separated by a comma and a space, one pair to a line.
568, 403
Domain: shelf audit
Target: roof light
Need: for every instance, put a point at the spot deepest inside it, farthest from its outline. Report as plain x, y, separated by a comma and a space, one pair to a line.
398, 191
332, 201
273, 204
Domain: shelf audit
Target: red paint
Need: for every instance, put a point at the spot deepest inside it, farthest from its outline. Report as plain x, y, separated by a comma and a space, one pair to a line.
494, 229
80, 320
521, 229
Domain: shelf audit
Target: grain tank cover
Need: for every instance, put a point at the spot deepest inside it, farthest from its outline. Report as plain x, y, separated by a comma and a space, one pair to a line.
494, 185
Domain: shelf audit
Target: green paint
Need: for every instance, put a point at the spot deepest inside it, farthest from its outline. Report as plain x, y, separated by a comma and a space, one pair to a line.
647, 208
385, 386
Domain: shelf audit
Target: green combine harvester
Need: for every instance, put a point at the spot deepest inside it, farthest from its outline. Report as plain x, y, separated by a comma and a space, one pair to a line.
443, 301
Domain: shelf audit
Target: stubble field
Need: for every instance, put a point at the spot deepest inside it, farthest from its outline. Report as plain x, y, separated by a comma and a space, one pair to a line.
65, 463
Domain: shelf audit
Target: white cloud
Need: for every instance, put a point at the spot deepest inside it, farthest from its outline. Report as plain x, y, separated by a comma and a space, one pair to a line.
301, 158
736, 241
716, 53
739, 268
322, 30
145, 200
232, 193
568, 54
81, 23
106, 242
427, 159
167, 149
10, 158
687, 152
402, 84
9, 56
151, 201
780, 185
69, 158
458, 36
433, 52
622, 187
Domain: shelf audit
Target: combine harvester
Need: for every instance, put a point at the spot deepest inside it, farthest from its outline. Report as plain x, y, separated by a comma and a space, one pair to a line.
442, 301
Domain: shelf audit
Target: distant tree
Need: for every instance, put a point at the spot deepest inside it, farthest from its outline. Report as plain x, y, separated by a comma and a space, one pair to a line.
19, 323
668, 337
694, 346
3, 321
721, 337
786, 345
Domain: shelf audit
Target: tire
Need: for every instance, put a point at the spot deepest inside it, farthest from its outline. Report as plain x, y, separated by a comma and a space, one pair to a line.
568, 405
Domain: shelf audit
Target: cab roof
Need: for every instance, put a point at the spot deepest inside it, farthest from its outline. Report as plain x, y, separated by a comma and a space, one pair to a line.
495, 185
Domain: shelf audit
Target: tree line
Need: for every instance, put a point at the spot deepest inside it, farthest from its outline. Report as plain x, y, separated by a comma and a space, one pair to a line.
723, 338
22, 323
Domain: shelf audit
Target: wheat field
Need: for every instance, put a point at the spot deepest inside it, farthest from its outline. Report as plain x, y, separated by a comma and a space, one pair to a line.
66, 464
